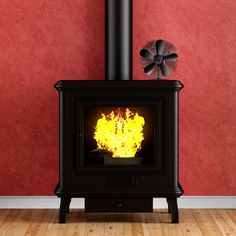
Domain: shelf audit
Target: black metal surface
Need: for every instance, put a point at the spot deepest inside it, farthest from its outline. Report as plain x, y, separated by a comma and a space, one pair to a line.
173, 209
119, 182
119, 205
98, 87
110, 161
118, 40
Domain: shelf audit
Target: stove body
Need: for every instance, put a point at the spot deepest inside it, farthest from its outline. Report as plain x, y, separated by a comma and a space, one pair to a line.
118, 184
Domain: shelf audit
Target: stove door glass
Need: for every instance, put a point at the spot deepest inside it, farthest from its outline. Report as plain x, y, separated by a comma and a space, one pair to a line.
119, 135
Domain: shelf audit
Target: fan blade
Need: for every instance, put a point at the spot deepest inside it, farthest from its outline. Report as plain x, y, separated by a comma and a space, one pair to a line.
145, 53
160, 46
164, 70
145, 61
149, 68
171, 57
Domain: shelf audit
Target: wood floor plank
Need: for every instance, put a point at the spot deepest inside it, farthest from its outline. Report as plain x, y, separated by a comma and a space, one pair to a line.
232, 214
224, 222
7, 219
33, 227
21, 223
167, 227
3, 214
94, 225
114, 225
206, 223
151, 224
46, 221
40, 222
54, 228
127, 224
76, 223
171, 229
195, 222
188, 223
137, 229
133, 224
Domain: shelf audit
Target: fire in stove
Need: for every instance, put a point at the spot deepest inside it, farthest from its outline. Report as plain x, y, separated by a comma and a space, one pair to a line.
120, 133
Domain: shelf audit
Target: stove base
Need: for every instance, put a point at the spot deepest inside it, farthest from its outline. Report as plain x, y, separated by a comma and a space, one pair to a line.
121, 204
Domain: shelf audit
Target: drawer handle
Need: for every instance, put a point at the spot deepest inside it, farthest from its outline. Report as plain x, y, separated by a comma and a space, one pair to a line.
119, 204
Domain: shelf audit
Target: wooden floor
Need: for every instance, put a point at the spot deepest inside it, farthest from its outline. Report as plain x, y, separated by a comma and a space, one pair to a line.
44, 222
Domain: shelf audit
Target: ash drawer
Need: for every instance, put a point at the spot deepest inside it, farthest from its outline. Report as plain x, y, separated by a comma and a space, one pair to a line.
118, 205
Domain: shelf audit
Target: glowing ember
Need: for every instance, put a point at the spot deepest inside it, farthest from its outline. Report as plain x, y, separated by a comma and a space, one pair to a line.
120, 133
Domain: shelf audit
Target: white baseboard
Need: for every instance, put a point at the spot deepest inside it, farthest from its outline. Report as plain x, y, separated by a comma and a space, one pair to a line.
43, 202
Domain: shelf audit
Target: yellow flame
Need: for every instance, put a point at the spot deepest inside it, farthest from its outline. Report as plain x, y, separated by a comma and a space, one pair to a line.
121, 134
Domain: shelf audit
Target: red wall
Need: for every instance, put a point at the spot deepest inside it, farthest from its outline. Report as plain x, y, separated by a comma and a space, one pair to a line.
45, 41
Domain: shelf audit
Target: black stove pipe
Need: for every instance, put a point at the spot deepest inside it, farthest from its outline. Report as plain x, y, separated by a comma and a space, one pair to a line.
118, 39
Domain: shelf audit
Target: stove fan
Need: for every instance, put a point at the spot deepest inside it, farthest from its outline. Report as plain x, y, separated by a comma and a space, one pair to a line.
158, 56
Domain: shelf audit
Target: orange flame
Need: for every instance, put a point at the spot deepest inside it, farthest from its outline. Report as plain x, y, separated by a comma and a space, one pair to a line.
121, 134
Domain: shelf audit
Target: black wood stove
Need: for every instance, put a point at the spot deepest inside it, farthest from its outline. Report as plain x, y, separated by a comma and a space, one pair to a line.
118, 137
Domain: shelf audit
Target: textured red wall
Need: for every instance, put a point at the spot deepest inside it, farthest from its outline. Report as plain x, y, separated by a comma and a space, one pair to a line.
44, 41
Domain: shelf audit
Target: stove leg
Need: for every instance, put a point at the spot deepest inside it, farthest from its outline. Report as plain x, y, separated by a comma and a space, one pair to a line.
169, 211
64, 206
173, 207
68, 208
